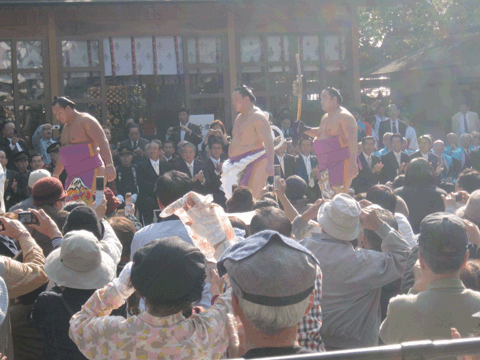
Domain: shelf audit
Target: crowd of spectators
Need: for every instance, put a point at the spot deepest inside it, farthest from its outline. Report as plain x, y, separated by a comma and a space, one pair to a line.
392, 260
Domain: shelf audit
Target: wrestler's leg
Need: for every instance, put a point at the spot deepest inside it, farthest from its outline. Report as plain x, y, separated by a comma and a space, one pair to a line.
258, 178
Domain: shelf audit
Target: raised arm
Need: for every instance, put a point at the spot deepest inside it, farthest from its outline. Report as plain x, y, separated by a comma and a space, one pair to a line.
349, 128
264, 131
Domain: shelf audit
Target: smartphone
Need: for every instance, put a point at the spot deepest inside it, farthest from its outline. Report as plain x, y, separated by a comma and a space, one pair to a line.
128, 199
277, 175
458, 197
26, 218
55, 127
99, 187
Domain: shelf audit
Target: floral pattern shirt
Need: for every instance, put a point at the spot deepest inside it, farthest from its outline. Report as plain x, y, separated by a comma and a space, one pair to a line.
100, 336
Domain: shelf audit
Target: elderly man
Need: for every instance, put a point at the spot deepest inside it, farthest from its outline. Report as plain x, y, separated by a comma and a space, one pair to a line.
352, 279
191, 166
386, 144
10, 143
463, 153
465, 121
393, 125
42, 139
266, 296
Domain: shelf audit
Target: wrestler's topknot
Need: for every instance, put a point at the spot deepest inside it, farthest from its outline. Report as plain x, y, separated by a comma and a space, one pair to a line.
334, 93
244, 90
63, 102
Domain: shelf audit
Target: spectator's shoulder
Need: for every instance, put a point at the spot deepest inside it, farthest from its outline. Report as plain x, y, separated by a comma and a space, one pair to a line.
403, 302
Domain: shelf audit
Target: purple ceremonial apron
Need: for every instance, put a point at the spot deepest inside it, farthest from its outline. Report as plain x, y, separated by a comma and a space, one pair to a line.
332, 154
247, 172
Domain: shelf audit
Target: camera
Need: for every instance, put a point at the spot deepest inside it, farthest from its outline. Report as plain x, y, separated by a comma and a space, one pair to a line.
458, 197
26, 218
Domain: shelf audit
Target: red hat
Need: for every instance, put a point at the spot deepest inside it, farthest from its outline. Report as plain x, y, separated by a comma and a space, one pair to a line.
112, 201
48, 190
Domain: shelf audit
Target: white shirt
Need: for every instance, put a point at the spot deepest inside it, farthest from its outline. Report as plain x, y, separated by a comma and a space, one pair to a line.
156, 165
425, 156
182, 132
17, 145
398, 156
308, 165
379, 118
405, 229
190, 167
168, 159
368, 158
411, 135
162, 230
462, 122
281, 161
215, 163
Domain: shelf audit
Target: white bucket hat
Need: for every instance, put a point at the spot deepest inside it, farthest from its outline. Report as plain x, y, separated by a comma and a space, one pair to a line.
37, 175
340, 217
80, 263
3, 300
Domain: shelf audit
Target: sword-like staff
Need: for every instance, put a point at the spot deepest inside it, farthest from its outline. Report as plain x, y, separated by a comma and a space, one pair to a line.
298, 91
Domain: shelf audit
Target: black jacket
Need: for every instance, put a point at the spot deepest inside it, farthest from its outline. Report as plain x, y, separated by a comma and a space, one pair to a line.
195, 137
5, 146
141, 143
366, 178
390, 166
289, 163
432, 158
385, 127
127, 180
198, 165
213, 183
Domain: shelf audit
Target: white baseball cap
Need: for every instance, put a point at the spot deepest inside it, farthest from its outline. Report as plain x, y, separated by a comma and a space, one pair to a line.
37, 175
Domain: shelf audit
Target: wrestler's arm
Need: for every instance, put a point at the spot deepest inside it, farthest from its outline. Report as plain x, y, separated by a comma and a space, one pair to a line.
264, 131
95, 132
349, 128
59, 165
313, 132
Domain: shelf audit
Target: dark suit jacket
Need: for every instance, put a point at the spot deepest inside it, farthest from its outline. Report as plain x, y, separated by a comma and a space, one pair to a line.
290, 166
385, 127
5, 146
147, 177
141, 143
213, 183
432, 158
390, 166
195, 137
312, 193
366, 178
10, 196
198, 165
475, 159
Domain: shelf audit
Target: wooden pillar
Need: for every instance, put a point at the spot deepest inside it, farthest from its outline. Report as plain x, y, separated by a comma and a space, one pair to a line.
232, 56
52, 55
355, 56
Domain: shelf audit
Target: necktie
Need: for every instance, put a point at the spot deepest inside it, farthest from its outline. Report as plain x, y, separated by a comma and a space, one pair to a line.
465, 123
369, 161
394, 127
191, 169
155, 166
282, 165
134, 145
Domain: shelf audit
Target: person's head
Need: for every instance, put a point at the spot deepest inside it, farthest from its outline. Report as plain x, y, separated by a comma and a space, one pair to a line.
47, 131
393, 111
264, 202
84, 218
129, 122
475, 138
438, 147
340, 218
241, 201
285, 123
3, 159
470, 274
36, 175
171, 186
305, 146
468, 180
134, 132
271, 218
49, 191
386, 140
424, 143
420, 172
80, 263
330, 99
281, 150
125, 230
125, 155
180, 146
183, 116
155, 149
296, 188
383, 196
371, 239
396, 141
442, 244
464, 106
216, 148
404, 144
243, 98
381, 110
21, 161
168, 148
188, 152
471, 210
37, 161
368, 144
108, 133
169, 274
218, 125
452, 139
8, 129
63, 109
53, 150
466, 141
264, 271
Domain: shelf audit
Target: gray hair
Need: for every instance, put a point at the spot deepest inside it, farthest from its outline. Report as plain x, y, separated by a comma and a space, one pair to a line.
271, 320
188, 144
158, 142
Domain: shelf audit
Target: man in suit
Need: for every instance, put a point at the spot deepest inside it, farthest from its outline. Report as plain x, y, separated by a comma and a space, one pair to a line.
465, 121
393, 125
11, 182
449, 170
394, 162
425, 144
369, 174
10, 143
169, 151
306, 166
463, 153
286, 161
186, 131
148, 173
190, 166
212, 171
135, 143
442, 253
21, 162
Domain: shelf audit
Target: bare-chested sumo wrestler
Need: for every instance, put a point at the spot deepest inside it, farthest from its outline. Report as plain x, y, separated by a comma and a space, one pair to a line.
84, 144
251, 149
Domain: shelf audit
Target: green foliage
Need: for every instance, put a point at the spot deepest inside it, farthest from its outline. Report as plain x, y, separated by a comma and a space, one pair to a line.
387, 33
